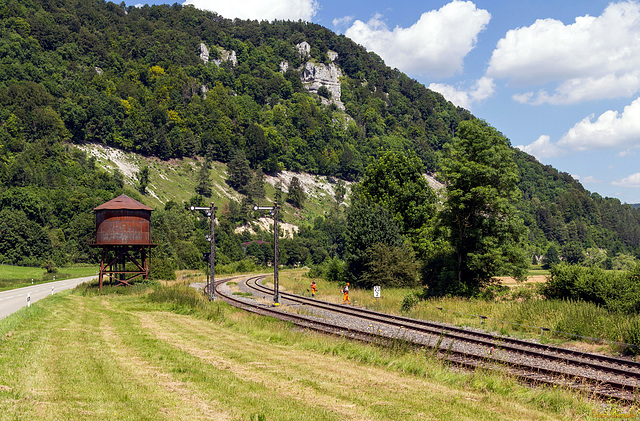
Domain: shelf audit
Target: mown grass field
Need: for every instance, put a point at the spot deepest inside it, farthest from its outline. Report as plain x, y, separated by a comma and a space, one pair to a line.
167, 353
12, 277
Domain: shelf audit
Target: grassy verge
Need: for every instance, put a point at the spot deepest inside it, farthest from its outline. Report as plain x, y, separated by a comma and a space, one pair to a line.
12, 277
518, 312
166, 353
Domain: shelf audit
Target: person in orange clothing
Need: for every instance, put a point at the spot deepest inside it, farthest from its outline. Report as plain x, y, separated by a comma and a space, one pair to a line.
345, 291
313, 288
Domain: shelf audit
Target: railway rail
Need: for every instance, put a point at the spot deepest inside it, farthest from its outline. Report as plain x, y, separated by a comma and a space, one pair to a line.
599, 375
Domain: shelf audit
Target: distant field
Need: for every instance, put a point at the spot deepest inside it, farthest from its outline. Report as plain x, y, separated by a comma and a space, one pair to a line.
10, 273
19, 276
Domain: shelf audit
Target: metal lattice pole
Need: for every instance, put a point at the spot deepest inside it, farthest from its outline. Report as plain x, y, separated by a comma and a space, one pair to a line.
211, 213
212, 255
276, 284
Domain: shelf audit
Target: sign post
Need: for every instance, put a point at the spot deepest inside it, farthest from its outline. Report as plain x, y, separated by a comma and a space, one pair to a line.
376, 293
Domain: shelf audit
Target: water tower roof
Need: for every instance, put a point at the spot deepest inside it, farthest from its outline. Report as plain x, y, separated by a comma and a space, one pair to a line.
123, 202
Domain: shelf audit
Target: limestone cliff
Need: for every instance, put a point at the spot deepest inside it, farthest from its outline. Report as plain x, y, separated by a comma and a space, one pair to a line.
316, 75
313, 75
224, 55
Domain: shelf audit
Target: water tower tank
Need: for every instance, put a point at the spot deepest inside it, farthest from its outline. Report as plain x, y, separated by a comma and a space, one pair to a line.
123, 221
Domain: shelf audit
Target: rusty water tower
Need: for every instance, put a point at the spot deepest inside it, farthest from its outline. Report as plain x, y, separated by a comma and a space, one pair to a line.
123, 232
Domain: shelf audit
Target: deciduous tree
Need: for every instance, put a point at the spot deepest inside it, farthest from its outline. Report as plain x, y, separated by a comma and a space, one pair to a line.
397, 183
485, 230
368, 225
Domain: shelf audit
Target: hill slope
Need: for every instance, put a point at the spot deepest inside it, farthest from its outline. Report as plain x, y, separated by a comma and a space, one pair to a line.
176, 180
177, 83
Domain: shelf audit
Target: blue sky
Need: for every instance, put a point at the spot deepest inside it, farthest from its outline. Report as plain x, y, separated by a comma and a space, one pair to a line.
560, 79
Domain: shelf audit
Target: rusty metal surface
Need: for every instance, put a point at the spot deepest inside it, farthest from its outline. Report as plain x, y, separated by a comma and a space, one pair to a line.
123, 202
123, 221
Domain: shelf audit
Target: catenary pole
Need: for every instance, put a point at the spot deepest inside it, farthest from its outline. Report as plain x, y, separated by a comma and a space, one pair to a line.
276, 284
211, 213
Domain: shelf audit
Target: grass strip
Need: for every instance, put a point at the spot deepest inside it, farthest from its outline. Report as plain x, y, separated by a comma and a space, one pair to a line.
166, 353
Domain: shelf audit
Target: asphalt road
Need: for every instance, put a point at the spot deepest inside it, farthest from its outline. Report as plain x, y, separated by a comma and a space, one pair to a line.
14, 299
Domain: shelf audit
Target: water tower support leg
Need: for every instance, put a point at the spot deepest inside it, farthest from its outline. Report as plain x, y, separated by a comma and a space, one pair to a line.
101, 276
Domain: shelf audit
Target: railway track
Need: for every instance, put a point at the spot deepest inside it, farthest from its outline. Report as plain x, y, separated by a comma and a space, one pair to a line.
602, 376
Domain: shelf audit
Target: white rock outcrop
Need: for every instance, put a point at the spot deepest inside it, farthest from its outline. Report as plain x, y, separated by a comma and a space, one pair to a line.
316, 75
304, 49
224, 55
204, 53
313, 75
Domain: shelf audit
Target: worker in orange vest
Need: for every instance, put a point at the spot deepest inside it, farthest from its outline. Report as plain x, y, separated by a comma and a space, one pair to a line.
313, 288
345, 291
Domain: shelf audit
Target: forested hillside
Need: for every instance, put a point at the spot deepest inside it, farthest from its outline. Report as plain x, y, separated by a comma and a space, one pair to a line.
138, 79
133, 78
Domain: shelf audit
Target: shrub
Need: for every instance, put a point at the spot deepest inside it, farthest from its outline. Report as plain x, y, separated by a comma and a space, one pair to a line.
335, 270
616, 291
315, 272
49, 266
408, 302
162, 269
631, 336
523, 293
323, 91
187, 255
577, 283
241, 266
391, 266
491, 291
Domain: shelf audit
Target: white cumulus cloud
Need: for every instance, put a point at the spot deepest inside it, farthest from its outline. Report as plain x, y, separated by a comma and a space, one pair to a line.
343, 22
260, 9
610, 130
435, 45
587, 180
585, 89
543, 147
592, 58
631, 181
484, 88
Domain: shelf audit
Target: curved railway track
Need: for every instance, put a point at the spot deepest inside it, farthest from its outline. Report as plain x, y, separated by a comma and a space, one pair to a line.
602, 376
